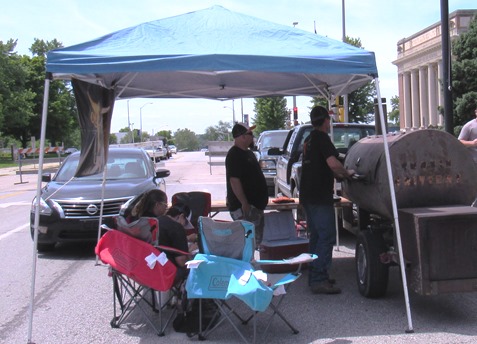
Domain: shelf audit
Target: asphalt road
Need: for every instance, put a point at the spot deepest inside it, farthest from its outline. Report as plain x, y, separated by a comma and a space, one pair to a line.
73, 294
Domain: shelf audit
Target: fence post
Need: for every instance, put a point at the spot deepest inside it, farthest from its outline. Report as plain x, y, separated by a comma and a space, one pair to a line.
20, 169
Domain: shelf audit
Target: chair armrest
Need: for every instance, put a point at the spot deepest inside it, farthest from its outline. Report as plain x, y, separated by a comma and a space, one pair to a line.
172, 250
300, 259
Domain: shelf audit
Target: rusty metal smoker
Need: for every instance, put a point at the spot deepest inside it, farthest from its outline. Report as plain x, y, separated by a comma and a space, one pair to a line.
435, 181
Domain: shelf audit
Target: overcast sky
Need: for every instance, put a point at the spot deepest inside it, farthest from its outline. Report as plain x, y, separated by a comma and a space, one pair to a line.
380, 24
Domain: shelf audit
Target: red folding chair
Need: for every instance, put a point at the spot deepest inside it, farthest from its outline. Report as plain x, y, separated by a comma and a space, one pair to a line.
140, 272
199, 202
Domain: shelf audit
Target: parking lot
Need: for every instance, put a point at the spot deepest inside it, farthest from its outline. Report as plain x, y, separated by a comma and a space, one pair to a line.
73, 301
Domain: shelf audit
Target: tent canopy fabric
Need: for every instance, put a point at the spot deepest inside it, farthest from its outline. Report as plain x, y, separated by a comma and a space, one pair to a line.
215, 54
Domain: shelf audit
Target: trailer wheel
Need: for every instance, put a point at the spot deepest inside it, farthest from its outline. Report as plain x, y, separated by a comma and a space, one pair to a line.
371, 274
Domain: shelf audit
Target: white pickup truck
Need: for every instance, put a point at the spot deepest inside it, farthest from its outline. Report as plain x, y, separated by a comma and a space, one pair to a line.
156, 150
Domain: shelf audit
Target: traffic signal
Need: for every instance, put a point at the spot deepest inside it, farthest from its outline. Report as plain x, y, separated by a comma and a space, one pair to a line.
295, 113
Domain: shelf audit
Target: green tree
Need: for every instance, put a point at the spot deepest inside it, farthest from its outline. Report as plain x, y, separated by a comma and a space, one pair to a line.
360, 101
393, 115
128, 137
113, 139
271, 113
221, 132
22, 80
62, 112
464, 75
186, 140
16, 99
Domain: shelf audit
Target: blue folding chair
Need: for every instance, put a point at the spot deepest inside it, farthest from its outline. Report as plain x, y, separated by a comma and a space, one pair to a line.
224, 270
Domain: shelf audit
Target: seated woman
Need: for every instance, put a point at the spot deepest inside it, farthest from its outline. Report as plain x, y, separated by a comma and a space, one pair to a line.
171, 225
182, 214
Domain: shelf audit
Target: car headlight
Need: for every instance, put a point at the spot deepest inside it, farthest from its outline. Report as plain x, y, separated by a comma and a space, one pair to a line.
267, 164
44, 208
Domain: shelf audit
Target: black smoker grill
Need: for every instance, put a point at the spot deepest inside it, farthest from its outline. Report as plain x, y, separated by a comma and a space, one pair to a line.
435, 181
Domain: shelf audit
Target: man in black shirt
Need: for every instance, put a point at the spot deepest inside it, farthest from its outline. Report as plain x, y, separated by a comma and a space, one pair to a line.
247, 193
320, 166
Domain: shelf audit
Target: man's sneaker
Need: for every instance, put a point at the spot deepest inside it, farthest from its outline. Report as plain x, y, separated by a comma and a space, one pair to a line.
324, 287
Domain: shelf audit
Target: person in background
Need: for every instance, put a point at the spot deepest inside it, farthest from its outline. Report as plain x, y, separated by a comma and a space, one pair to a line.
247, 193
468, 136
320, 166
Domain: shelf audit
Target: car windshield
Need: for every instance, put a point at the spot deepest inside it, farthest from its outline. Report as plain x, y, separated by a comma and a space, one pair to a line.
273, 140
345, 137
119, 167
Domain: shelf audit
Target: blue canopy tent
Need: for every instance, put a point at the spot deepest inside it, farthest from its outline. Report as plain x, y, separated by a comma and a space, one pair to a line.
216, 54
212, 53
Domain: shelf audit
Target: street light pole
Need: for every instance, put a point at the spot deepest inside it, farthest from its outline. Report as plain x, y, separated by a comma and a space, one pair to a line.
140, 118
233, 111
129, 122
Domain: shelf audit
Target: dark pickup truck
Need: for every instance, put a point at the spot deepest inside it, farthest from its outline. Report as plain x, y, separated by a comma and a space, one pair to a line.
287, 181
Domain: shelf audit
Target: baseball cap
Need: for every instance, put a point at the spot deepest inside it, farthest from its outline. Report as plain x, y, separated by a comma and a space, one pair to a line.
240, 129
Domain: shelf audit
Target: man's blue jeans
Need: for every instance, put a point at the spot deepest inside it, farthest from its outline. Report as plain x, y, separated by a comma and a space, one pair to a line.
320, 220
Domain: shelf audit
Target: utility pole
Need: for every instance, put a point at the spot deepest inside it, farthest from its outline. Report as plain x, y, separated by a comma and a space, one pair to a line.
345, 96
446, 69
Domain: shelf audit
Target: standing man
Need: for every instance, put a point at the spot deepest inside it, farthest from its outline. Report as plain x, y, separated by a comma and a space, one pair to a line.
247, 193
468, 136
319, 168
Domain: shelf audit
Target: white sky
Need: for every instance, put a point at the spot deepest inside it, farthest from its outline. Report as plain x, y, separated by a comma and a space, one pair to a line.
380, 24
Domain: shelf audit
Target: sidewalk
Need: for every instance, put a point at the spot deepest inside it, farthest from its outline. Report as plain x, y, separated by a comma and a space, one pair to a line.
11, 179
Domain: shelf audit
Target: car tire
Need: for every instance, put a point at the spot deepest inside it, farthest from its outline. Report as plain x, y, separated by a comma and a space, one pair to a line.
45, 247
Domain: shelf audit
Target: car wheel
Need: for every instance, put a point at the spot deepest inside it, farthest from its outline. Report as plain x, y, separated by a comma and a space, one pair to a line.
371, 274
299, 212
45, 247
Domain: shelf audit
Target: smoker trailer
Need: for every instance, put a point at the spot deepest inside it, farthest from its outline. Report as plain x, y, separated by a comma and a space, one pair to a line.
435, 182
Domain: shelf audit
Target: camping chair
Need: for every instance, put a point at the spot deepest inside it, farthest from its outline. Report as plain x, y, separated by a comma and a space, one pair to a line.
199, 202
224, 270
139, 269
227, 250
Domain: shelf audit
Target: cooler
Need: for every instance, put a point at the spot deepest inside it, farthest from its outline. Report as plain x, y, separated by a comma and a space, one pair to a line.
280, 241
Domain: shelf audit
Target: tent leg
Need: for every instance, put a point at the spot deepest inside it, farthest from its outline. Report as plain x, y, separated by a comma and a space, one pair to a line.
37, 206
103, 186
394, 206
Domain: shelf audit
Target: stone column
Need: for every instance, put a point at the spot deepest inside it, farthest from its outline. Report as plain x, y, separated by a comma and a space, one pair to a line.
415, 99
423, 97
440, 93
432, 81
407, 101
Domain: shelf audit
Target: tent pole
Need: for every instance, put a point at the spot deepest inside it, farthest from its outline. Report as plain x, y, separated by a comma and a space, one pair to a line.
103, 186
37, 204
394, 206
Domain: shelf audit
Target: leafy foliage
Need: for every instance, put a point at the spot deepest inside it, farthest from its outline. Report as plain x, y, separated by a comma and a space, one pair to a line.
393, 115
271, 113
186, 140
464, 75
360, 101
21, 97
221, 132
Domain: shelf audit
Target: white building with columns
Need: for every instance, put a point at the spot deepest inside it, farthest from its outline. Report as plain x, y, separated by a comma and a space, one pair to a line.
419, 63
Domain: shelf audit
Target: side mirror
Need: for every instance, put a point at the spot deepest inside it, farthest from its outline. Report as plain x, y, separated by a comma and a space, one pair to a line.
46, 177
275, 151
162, 173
